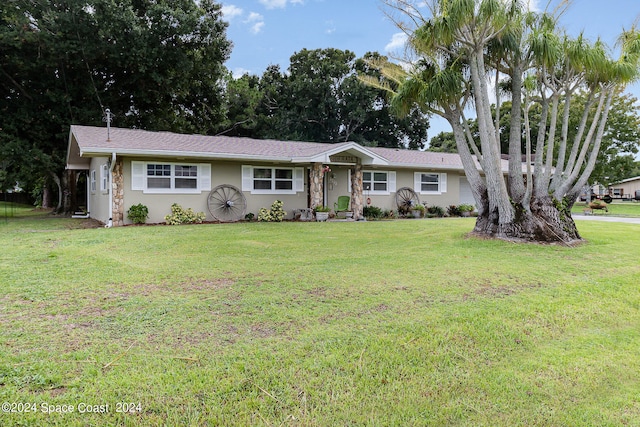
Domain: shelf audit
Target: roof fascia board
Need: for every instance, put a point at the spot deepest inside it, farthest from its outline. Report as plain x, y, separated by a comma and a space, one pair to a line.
324, 157
635, 178
422, 167
92, 152
77, 167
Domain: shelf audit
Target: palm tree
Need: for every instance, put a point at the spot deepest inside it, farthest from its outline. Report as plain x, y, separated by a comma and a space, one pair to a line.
458, 46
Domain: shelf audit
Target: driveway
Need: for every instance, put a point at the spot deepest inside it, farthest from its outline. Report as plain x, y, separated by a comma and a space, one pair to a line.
603, 218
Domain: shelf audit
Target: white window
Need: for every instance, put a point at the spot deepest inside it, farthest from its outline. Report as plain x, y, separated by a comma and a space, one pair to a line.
430, 183
272, 180
92, 181
178, 178
104, 178
379, 182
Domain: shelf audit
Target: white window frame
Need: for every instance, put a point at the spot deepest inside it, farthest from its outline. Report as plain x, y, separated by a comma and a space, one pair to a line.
93, 182
104, 178
390, 181
139, 178
442, 182
248, 180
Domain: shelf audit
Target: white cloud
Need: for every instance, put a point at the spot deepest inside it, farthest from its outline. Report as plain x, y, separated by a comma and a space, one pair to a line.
257, 22
398, 40
239, 72
331, 27
254, 17
231, 11
534, 5
257, 27
279, 4
274, 4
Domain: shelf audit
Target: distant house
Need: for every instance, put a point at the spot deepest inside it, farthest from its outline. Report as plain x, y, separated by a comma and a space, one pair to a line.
128, 166
626, 189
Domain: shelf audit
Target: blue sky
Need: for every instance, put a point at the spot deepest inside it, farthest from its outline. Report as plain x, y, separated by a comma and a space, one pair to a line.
266, 32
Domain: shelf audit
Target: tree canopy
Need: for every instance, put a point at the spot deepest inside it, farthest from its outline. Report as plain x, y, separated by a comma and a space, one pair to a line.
320, 98
157, 64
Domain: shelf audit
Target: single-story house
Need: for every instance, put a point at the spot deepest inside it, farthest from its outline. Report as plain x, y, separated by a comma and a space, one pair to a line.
626, 189
125, 167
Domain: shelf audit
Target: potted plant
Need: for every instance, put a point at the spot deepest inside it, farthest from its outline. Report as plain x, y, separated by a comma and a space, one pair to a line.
418, 210
322, 213
598, 204
465, 209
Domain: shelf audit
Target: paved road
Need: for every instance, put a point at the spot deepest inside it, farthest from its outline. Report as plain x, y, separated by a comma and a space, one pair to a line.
603, 218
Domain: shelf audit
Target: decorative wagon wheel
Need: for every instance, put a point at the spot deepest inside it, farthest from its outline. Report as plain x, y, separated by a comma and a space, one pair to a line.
406, 199
226, 203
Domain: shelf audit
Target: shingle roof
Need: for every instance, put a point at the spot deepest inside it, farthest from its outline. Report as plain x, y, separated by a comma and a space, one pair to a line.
399, 157
87, 141
94, 139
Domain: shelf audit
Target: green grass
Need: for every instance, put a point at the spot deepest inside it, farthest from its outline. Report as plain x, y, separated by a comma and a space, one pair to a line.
318, 324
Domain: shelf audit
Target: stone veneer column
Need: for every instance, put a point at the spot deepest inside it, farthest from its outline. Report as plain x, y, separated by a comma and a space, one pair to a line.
357, 193
316, 176
117, 210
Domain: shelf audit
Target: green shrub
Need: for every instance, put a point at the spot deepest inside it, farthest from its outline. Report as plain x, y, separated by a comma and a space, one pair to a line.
264, 215
275, 214
454, 210
179, 215
372, 212
391, 214
138, 214
435, 211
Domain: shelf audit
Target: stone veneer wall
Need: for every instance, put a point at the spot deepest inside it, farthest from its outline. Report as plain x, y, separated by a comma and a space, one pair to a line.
117, 210
357, 192
316, 177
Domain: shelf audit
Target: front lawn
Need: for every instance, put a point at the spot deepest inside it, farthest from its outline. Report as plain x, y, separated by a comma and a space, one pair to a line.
316, 324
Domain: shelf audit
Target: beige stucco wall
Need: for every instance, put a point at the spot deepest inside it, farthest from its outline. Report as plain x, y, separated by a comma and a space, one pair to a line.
450, 197
98, 200
337, 183
629, 188
229, 173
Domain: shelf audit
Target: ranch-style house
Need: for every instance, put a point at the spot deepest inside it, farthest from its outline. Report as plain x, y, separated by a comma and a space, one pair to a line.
125, 167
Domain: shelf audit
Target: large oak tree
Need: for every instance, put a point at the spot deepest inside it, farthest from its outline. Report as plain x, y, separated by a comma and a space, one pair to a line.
156, 64
320, 99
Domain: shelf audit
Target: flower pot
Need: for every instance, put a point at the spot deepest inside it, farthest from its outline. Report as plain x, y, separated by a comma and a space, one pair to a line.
416, 213
322, 216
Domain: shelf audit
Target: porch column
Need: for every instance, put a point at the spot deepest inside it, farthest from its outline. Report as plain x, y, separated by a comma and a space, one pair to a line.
357, 193
117, 179
316, 176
